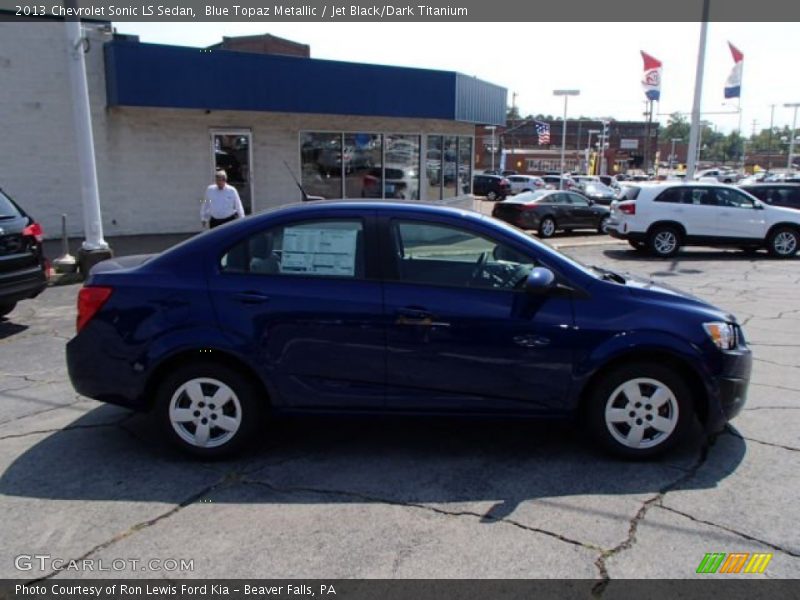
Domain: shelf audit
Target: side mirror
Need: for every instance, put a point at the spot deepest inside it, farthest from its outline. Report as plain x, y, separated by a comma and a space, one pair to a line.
758, 205
540, 281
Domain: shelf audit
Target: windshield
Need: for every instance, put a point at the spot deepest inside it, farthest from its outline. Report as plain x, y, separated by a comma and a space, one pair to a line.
8, 209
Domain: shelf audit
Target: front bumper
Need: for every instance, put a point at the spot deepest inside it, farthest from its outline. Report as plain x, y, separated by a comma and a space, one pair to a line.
728, 392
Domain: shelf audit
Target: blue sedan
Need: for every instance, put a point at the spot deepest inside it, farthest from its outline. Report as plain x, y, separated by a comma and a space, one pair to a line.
402, 308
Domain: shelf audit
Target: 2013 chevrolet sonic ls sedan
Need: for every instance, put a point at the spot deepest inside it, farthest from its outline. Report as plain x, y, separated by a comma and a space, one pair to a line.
405, 308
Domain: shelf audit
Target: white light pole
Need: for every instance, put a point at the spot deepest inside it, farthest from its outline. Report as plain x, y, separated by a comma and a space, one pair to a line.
566, 94
94, 247
672, 152
698, 94
589, 148
602, 148
792, 136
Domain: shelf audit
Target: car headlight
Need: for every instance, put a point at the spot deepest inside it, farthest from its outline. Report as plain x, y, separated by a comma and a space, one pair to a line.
722, 334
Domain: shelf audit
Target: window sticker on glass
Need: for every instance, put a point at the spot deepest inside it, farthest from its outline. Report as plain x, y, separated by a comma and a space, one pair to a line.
319, 251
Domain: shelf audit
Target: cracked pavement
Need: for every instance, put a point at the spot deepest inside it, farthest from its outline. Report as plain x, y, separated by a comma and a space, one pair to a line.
408, 498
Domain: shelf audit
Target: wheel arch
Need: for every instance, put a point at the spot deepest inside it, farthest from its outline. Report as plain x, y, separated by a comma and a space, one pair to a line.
700, 396
675, 224
789, 224
194, 355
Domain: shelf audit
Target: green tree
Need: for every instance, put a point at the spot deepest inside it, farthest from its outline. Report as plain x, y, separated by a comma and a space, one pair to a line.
677, 128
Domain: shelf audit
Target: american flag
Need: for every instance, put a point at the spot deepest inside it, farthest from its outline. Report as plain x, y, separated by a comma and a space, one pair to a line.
543, 131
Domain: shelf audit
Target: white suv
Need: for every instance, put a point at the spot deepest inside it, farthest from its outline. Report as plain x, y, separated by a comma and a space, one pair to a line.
664, 217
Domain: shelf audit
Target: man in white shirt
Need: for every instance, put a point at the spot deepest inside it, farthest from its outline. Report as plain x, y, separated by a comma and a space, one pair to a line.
221, 203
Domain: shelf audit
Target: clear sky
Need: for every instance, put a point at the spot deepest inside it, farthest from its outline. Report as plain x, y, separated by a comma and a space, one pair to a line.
602, 60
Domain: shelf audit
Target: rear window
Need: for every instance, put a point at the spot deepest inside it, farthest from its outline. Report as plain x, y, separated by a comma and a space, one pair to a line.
629, 192
8, 210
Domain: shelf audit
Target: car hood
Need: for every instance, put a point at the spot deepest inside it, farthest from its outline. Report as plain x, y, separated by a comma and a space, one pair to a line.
648, 289
783, 213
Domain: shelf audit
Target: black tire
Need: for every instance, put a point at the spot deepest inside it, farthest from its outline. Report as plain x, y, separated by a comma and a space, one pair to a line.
783, 242
601, 226
491, 196
547, 227
664, 241
7, 308
251, 407
677, 411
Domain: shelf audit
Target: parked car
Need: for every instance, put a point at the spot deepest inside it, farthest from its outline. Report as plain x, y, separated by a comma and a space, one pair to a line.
776, 194
23, 267
599, 193
494, 187
398, 308
548, 211
553, 182
720, 175
666, 216
401, 181
524, 183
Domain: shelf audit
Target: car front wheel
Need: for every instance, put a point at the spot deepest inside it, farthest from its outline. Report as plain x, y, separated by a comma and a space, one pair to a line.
208, 409
601, 228
547, 227
783, 242
639, 410
491, 196
664, 242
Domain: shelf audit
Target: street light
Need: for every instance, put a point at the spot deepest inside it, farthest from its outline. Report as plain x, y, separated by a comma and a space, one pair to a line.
794, 105
672, 152
566, 94
602, 147
589, 148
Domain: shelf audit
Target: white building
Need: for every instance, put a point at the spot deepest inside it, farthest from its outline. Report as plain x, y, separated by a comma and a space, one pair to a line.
165, 116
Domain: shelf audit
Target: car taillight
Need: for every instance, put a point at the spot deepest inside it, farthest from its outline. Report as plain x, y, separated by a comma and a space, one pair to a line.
628, 207
35, 231
90, 300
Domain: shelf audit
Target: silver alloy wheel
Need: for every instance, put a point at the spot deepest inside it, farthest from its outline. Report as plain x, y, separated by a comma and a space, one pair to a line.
492, 195
665, 242
785, 243
205, 412
641, 413
603, 225
548, 227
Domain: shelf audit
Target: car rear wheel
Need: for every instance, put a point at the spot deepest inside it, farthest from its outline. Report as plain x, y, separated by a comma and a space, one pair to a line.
639, 410
783, 242
209, 410
601, 228
7, 308
547, 227
664, 241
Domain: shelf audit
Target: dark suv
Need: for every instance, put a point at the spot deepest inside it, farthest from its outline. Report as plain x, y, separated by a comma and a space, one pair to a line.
776, 194
493, 187
23, 269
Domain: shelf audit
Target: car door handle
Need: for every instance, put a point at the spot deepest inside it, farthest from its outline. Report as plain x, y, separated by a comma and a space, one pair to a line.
251, 297
417, 316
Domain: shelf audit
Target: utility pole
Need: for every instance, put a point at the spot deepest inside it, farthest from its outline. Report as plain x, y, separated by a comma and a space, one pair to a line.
795, 105
94, 248
769, 143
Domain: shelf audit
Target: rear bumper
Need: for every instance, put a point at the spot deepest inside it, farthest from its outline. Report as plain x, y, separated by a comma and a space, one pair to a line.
20, 285
613, 229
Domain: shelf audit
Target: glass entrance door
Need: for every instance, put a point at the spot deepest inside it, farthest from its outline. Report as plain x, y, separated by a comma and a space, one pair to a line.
231, 152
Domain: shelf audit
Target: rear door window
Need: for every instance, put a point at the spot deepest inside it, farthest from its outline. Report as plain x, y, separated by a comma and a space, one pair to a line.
8, 210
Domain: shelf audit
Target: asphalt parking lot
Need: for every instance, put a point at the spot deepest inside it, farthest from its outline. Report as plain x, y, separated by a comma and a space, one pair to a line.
407, 498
